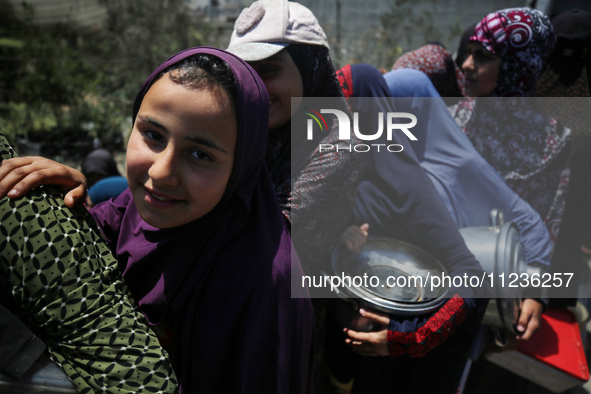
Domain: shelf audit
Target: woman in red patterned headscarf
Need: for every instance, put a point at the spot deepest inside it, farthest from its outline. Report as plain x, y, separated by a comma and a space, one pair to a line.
522, 39
505, 57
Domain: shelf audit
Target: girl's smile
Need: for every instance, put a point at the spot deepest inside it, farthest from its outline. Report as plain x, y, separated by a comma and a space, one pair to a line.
283, 82
181, 152
160, 201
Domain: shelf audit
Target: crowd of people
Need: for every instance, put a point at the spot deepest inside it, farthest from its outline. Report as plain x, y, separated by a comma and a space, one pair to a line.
186, 274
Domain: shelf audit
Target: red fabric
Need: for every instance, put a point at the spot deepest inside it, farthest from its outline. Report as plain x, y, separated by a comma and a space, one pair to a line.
523, 39
558, 343
439, 66
346, 80
434, 332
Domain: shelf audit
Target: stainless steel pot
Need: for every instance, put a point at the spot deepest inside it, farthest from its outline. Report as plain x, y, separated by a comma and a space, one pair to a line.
400, 287
498, 249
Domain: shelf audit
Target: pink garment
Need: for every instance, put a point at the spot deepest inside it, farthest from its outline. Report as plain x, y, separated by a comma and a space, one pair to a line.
523, 38
437, 63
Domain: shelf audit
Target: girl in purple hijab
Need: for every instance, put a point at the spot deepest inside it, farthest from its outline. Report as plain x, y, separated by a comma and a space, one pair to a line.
199, 234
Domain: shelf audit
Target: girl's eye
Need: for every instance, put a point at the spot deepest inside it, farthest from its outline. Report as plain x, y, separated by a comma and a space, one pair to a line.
480, 56
200, 155
483, 56
152, 135
267, 69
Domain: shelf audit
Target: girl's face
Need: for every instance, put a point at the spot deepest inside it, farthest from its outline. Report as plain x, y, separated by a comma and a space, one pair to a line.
180, 153
283, 81
481, 69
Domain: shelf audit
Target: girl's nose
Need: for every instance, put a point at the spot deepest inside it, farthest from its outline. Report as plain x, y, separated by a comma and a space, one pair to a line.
468, 64
164, 169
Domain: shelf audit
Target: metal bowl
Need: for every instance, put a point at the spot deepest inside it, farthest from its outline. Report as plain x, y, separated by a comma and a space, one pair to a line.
400, 284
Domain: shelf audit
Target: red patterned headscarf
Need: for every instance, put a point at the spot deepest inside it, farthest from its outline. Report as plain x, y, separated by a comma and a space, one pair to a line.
439, 66
523, 38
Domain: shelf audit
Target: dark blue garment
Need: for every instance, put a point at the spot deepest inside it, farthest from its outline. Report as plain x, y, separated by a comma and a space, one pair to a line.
401, 201
107, 188
397, 198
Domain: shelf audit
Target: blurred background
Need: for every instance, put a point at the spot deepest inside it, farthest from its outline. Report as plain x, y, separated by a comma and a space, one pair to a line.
69, 69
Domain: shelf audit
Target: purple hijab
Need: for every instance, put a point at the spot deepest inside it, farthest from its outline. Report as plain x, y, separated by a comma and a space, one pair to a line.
222, 283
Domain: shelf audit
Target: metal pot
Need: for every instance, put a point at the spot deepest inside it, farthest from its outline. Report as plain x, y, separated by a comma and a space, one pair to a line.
400, 286
498, 249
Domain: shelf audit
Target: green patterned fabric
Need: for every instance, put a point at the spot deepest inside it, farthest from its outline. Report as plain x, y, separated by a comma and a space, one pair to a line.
68, 289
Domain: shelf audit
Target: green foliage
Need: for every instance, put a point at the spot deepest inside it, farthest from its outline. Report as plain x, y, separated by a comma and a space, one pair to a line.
58, 80
407, 26
139, 35
41, 75
11, 43
16, 119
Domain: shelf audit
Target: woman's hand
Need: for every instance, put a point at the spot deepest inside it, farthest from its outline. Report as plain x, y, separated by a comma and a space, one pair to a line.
370, 343
21, 174
530, 318
355, 237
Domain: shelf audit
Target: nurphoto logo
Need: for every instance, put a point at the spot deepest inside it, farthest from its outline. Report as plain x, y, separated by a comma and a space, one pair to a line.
392, 124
